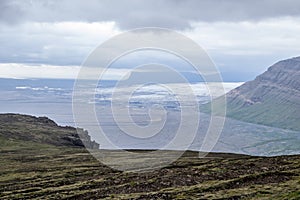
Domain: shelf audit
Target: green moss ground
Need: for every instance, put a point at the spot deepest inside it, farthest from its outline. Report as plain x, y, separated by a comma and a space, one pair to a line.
38, 171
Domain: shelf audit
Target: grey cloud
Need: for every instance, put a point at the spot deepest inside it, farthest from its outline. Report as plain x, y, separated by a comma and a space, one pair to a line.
128, 14
10, 12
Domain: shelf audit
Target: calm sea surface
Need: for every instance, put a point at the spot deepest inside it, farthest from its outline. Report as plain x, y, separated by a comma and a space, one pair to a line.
53, 98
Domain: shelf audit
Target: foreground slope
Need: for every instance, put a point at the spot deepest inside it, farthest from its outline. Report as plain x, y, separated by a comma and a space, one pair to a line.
272, 99
38, 169
72, 173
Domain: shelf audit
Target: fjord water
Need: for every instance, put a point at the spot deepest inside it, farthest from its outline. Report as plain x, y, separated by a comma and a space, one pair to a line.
53, 98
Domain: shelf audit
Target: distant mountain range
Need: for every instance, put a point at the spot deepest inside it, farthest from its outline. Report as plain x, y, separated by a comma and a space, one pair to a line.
272, 99
43, 130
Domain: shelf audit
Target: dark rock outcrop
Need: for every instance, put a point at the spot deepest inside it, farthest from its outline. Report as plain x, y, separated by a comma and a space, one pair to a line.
43, 130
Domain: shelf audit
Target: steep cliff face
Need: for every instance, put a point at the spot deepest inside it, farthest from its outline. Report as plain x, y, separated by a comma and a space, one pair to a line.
273, 98
43, 130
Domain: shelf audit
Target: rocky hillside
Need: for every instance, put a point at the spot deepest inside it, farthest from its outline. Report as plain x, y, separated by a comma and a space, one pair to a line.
273, 98
42, 130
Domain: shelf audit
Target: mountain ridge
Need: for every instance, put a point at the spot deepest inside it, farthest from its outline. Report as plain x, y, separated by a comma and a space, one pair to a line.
43, 130
272, 98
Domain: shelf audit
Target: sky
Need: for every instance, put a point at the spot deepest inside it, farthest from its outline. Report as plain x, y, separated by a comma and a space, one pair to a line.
51, 39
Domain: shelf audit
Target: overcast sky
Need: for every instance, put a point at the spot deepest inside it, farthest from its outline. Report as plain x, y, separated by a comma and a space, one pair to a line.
243, 38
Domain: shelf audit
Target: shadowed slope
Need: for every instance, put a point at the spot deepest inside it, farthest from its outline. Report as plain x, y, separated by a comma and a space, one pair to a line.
43, 130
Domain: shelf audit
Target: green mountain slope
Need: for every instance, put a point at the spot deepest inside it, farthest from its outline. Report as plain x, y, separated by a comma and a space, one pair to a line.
272, 99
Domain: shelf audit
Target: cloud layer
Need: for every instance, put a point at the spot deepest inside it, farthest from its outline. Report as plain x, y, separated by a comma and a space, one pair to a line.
176, 14
242, 37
